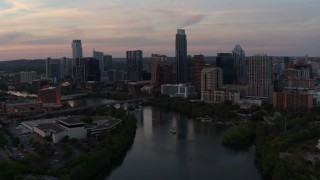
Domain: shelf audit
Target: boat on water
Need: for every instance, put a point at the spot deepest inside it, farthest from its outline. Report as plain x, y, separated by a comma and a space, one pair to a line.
173, 131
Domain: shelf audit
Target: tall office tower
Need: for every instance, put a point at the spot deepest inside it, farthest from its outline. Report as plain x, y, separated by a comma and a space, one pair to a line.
53, 70
260, 76
181, 57
164, 74
211, 80
66, 67
76, 49
286, 61
93, 69
226, 62
79, 70
134, 65
48, 70
107, 62
106, 67
240, 65
197, 66
99, 56
156, 59
27, 76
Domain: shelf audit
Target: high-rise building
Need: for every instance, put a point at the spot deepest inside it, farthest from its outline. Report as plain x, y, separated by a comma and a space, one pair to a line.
211, 80
100, 57
164, 74
134, 65
240, 65
76, 49
93, 69
27, 76
48, 70
156, 59
182, 65
197, 66
260, 76
226, 62
79, 70
107, 62
53, 70
66, 67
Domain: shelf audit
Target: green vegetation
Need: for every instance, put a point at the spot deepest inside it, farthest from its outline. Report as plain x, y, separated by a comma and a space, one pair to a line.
196, 109
104, 158
280, 150
104, 154
86, 119
241, 135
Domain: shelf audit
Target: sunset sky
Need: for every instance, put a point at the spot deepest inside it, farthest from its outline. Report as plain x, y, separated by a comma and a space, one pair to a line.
42, 28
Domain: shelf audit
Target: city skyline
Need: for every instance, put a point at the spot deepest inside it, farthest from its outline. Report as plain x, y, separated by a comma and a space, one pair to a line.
32, 29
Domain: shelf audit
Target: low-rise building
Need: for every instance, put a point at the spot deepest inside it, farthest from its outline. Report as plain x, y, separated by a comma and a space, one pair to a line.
220, 96
292, 100
22, 108
51, 95
178, 90
102, 124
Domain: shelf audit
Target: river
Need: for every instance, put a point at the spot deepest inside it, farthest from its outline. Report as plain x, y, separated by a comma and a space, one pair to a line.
194, 152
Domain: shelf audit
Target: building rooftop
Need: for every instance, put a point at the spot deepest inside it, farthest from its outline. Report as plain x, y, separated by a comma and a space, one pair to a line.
70, 121
55, 128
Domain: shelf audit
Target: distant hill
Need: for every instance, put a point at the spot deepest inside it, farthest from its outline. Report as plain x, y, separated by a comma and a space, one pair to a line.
23, 65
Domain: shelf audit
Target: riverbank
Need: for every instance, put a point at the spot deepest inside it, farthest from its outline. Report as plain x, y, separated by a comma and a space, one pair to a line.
196, 109
280, 153
102, 160
80, 161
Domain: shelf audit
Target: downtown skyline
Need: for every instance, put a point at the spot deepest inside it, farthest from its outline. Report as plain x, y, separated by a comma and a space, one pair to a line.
32, 29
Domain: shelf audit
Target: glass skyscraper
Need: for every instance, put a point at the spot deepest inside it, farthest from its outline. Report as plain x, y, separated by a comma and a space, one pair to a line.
226, 62
76, 49
134, 65
240, 65
182, 64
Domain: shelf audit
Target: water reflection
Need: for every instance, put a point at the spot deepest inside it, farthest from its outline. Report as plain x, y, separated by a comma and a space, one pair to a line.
195, 152
88, 102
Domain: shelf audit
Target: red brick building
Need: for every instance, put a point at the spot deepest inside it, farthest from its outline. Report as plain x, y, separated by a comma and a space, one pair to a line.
289, 101
197, 66
51, 95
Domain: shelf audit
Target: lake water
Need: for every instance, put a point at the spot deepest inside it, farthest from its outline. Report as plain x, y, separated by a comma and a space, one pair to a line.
194, 152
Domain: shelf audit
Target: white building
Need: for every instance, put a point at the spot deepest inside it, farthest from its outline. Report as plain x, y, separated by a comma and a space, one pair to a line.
57, 129
27, 76
220, 96
178, 90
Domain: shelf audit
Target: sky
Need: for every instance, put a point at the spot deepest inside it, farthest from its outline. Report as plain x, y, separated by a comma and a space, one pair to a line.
45, 28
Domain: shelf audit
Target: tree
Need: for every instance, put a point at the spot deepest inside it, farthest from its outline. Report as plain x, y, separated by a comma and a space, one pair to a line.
86, 119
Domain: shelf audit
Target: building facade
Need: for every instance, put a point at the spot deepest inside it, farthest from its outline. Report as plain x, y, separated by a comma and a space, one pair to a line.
93, 69
76, 49
211, 79
240, 65
182, 65
178, 90
260, 76
51, 95
27, 76
197, 66
291, 101
156, 60
226, 62
134, 65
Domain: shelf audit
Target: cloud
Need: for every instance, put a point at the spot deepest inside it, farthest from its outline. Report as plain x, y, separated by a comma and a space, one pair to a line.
182, 19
